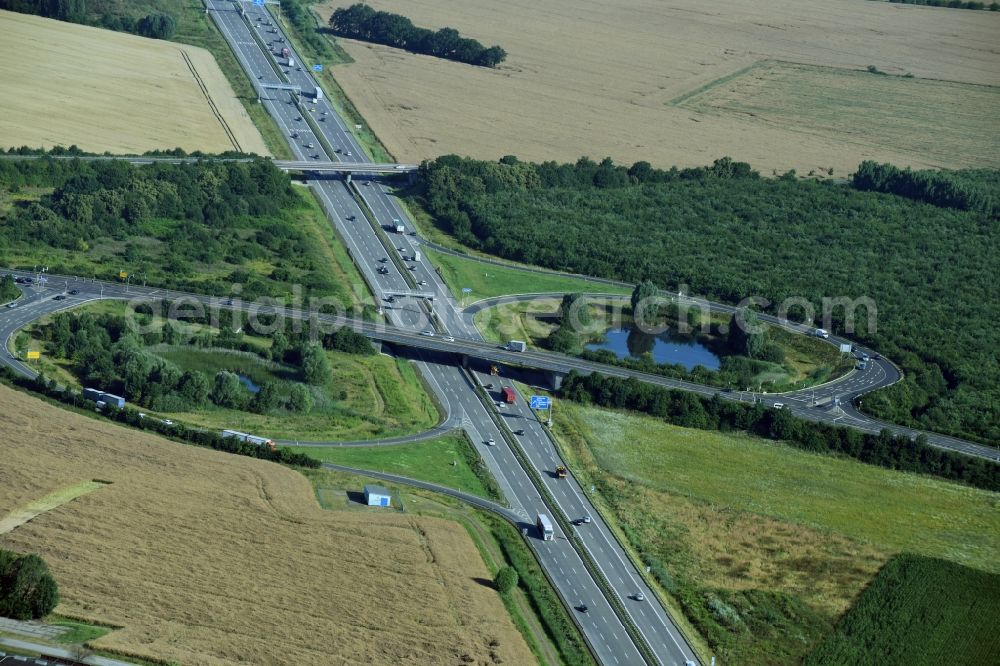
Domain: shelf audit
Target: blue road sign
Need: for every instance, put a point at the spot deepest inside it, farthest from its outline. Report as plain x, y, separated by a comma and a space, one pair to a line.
259, 3
317, 68
466, 290
539, 402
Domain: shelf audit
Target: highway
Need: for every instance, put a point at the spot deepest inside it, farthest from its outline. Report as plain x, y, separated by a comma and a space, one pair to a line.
364, 214
316, 132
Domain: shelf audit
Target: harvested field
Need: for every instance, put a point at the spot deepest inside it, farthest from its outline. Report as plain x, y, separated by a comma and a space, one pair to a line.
597, 78
208, 558
107, 91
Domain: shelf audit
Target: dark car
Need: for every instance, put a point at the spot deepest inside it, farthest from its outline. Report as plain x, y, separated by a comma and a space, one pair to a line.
74, 292
583, 608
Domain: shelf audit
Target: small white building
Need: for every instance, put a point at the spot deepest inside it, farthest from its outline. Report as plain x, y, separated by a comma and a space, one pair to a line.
377, 496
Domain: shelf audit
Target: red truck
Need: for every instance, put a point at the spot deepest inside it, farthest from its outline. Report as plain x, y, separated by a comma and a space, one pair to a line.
509, 396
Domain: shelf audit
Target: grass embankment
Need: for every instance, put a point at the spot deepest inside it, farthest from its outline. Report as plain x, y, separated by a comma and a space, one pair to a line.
919, 611
534, 605
762, 545
488, 280
449, 461
320, 48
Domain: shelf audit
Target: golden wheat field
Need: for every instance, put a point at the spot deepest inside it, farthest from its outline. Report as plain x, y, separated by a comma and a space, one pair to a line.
209, 558
65, 84
585, 77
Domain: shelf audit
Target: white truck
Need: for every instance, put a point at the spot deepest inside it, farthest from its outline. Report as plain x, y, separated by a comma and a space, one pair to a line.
416, 255
544, 527
516, 346
249, 439
821, 333
291, 62
319, 93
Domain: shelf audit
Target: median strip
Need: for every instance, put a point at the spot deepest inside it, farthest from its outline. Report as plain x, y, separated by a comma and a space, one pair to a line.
602, 582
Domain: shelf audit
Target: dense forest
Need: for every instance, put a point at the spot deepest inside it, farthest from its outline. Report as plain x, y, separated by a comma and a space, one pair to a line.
200, 227
158, 24
725, 233
690, 410
362, 22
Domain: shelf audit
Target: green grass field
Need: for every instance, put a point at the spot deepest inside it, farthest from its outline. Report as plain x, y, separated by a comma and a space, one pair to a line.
367, 397
488, 280
737, 529
919, 611
445, 461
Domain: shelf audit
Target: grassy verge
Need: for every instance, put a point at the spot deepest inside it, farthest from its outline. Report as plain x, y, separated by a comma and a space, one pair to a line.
762, 546
445, 461
330, 54
919, 610
487, 280
79, 632
332, 250
534, 605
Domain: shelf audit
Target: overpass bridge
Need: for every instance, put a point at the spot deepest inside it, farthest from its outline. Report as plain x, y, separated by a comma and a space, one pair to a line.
316, 166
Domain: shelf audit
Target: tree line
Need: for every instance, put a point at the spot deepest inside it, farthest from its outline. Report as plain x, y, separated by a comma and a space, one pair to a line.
158, 25
727, 234
952, 4
362, 22
972, 189
49, 388
687, 409
28, 591
166, 223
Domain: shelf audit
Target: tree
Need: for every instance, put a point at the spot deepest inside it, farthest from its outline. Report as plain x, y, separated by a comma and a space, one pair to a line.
27, 589
315, 364
301, 399
228, 391
747, 335
506, 579
644, 310
193, 387
267, 398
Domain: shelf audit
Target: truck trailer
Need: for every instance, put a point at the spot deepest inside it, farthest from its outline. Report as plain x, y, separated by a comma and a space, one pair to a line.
285, 52
544, 527
509, 394
516, 346
249, 439
319, 93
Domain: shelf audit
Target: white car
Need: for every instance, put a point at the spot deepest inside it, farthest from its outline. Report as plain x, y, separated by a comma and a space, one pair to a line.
491, 442
448, 338
779, 405
428, 334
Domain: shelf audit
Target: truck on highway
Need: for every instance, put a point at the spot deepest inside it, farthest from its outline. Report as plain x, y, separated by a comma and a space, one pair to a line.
821, 333
285, 52
416, 255
561, 472
98, 396
516, 345
509, 395
398, 227
291, 62
544, 527
319, 93
249, 439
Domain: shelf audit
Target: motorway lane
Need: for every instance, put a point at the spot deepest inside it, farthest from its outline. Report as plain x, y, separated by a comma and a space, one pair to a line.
602, 628
596, 536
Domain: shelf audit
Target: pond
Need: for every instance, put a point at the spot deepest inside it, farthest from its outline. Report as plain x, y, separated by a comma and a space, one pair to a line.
666, 347
253, 388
